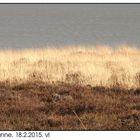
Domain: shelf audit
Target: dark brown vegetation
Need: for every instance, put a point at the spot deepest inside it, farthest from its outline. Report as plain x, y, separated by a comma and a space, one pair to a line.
41, 106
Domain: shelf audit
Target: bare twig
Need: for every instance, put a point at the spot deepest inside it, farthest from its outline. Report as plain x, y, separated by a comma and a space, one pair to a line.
79, 119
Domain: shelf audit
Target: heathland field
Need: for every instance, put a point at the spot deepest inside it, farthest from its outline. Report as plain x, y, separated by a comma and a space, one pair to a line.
70, 88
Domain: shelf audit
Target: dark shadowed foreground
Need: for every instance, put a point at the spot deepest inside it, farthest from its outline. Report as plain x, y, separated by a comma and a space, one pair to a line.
40, 106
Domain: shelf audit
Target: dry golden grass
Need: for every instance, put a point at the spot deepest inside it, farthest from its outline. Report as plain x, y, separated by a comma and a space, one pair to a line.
90, 65
70, 88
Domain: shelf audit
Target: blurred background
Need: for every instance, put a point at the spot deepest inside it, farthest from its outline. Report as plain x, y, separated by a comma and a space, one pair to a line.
43, 25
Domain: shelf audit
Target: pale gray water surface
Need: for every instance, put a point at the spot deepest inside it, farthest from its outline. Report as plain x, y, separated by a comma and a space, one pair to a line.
40, 25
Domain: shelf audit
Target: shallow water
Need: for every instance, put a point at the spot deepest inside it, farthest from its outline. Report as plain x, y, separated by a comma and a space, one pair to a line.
44, 25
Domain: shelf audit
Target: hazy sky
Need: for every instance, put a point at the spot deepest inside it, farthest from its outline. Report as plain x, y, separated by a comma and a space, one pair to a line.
39, 25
